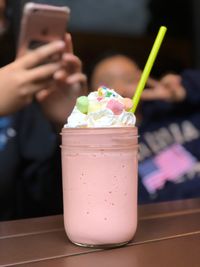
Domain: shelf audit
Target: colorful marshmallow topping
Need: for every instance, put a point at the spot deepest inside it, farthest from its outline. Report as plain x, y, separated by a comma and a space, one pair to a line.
102, 108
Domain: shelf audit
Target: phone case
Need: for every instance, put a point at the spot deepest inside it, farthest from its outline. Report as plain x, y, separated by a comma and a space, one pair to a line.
41, 24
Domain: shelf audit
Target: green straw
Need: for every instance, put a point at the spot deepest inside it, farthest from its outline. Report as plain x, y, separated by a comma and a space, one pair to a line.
148, 67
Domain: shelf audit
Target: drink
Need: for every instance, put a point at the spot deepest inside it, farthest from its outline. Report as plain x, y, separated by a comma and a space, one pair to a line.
100, 185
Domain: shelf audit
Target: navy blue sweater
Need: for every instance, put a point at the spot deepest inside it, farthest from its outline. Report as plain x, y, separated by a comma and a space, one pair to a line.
169, 166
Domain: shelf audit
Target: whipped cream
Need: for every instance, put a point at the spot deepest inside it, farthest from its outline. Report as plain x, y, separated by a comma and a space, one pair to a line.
102, 108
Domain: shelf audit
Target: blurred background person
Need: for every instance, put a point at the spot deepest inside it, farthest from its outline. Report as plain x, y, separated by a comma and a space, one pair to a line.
35, 100
168, 118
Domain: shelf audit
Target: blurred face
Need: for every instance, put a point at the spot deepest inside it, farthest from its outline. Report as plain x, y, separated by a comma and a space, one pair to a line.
117, 72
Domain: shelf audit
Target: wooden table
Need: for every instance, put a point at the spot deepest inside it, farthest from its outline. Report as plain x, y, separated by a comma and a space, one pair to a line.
168, 235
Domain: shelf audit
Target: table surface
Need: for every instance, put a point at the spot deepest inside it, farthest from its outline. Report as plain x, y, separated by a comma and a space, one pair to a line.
168, 234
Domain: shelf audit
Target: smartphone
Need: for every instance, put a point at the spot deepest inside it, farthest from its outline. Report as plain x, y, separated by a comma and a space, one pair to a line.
41, 24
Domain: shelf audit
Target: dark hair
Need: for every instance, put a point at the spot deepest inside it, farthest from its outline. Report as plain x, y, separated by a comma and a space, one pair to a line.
106, 55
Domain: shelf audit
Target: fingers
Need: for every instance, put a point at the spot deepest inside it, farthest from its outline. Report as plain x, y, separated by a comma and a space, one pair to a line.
41, 95
77, 78
41, 54
71, 63
152, 82
60, 75
171, 79
78, 82
75, 82
159, 93
69, 44
29, 91
42, 72
172, 82
168, 89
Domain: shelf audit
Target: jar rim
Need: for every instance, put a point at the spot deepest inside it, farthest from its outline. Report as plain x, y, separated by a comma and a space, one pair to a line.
85, 130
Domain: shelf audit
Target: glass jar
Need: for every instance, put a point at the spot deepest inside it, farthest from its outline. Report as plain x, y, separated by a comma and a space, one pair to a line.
99, 169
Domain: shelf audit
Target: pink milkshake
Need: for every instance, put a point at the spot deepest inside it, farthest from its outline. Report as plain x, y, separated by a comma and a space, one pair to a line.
99, 166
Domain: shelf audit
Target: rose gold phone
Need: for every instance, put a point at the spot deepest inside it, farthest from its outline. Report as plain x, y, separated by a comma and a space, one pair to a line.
41, 24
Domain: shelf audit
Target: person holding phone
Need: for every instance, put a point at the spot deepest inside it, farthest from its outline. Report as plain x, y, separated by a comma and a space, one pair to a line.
35, 99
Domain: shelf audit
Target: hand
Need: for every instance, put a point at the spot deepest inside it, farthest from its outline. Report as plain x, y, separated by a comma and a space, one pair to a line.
58, 101
22, 79
169, 89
